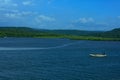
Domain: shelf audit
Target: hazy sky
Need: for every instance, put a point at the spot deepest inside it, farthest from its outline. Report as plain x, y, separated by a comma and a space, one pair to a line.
61, 14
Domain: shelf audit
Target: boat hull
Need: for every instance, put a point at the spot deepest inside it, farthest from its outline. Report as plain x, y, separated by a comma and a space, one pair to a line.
98, 55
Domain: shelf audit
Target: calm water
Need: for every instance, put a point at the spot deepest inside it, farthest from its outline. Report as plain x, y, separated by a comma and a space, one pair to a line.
58, 59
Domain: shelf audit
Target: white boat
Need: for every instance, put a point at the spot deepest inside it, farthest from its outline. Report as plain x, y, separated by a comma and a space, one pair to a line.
98, 55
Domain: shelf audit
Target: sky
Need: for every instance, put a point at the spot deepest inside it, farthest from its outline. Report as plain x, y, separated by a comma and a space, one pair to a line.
61, 14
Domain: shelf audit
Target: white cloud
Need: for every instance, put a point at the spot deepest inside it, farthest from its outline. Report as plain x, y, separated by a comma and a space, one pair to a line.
85, 20
43, 18
8, 3
44, 21
88, 24
19, 15
13, 15
26, 3
8, 10
8, 6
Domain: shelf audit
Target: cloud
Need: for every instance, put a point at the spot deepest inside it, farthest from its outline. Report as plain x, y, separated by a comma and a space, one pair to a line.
87, 24
8, 6
19, 15
12, 15
8, 10
85, 20
45, 22
8, 3
43, 18
27, 3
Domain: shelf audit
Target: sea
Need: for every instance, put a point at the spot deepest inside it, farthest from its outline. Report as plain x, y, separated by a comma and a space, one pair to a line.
58, 59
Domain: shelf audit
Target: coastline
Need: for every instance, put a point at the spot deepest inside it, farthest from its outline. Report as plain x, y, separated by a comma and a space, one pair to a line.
90, 38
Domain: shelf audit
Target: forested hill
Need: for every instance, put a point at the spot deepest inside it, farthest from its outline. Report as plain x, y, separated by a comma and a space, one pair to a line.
25, 31
115, 33
74, 32
30, 32
21, 32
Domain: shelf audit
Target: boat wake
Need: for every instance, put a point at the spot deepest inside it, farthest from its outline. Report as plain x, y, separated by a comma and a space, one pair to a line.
37, 48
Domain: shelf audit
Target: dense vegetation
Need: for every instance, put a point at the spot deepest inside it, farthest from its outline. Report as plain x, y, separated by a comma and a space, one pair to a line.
71, 34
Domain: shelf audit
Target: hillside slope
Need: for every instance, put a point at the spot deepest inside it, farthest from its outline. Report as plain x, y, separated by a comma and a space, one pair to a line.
72, 34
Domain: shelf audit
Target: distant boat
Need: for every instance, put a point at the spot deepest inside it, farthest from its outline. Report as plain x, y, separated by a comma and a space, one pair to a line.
98, 55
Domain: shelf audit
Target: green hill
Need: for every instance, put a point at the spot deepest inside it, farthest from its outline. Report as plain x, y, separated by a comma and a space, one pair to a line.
74, 32
71, 34
115, 33
22, 32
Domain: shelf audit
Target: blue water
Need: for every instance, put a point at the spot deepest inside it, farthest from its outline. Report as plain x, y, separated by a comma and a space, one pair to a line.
58, 59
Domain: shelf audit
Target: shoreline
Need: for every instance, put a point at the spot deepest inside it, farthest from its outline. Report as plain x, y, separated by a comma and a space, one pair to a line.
90, 38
